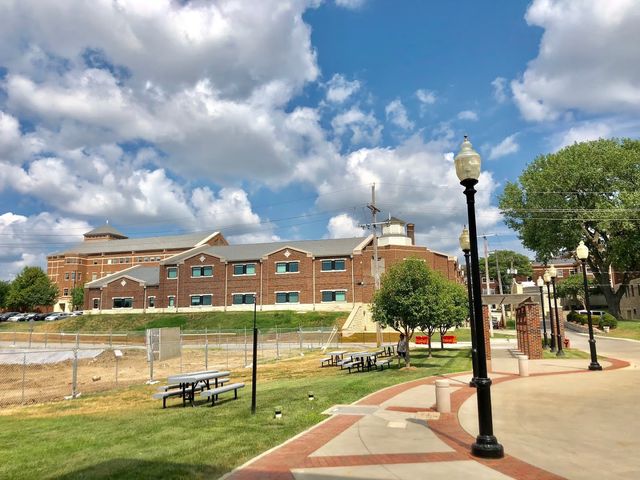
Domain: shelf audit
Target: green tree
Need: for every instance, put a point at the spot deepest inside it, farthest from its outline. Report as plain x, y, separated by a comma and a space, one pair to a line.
588, 191
4, 290
403, 299
77, 297
30, 289
506, 258
572, 288
456, 308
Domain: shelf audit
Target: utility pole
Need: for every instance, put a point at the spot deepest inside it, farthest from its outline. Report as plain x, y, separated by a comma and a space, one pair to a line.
486, 263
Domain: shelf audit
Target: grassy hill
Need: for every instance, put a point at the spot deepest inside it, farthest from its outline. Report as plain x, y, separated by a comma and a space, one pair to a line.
186, 321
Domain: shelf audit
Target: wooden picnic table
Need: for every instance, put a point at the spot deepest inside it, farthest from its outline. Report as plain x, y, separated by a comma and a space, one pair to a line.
188, 382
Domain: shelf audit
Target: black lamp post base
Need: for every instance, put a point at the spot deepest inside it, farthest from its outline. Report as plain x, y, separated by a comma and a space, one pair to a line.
472, 383
595, 366
560, 353
487, 446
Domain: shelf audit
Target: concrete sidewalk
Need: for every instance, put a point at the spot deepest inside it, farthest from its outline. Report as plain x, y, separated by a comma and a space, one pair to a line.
396, 434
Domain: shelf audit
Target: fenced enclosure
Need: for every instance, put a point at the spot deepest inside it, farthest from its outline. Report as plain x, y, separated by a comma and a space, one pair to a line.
44, 366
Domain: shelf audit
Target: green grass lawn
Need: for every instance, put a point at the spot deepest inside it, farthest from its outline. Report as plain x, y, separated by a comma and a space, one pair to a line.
625, 329
126, 434
569, 353
187, 321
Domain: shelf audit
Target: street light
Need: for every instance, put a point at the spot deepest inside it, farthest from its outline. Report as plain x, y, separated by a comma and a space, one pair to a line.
547, 280
540, 284
553, 273
582, 252
468, 170
465, 245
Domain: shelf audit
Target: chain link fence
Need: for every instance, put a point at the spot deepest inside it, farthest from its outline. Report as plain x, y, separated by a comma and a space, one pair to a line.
44, 366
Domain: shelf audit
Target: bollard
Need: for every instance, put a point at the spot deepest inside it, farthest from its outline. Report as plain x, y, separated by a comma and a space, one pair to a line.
443, 396
74, 378
523, 365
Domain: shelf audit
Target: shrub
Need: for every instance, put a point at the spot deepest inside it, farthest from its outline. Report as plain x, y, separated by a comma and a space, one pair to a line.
572, 316
608, 320
511, 324
583, 319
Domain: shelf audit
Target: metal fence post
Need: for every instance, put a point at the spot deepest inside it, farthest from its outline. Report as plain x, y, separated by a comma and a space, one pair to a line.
24, 371
180, 352
30, 335
15, 334
277, 344
74, 378
206, 350
45, 339
226, 343
151, 380
110, 338
77, 340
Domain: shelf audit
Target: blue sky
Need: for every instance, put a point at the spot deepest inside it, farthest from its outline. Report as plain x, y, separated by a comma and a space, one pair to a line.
271, 120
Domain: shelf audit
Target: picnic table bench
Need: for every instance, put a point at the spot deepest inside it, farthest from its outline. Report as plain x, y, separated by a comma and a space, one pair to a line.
188, 383
213, 393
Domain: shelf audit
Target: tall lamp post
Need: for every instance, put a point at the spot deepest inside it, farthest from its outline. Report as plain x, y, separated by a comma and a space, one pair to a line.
466, 247
547, 280
254, 371
468, 170
540, 284
553, 273
582, 252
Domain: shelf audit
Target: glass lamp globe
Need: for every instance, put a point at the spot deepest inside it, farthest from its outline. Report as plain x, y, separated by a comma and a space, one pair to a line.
553, 273
467, 162
540, 282
465, 241
582, 251
546, 276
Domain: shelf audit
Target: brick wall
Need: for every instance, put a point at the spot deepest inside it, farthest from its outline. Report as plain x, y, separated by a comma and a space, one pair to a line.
528, 329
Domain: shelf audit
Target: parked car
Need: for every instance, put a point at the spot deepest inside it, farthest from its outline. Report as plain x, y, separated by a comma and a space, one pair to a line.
29, 316
18, 317
5, 316
56, 316
41, 316
594, 313
76, 313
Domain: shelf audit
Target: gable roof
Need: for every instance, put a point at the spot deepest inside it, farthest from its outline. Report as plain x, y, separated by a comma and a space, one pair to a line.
256, 251
128, 245
138, 273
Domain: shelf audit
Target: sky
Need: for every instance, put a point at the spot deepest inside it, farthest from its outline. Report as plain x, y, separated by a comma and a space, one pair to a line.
271, 120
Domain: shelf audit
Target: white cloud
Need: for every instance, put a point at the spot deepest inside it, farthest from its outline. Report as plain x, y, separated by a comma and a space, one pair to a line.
363, 128
397, 114
415, 182
340, 89
582, 133
468, 115
426, 97
499, 84
26, 239
506, 147
587, 61
343, 226
350, 4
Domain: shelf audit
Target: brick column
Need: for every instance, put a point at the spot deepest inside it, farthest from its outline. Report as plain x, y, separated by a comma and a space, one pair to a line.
486, 318
528, 329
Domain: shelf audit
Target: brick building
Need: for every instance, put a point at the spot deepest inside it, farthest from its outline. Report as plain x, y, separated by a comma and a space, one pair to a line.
301, 275
105, 251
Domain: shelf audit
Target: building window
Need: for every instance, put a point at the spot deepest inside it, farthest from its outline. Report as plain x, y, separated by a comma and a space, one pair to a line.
94, 276
108, 261
633, 291
151, 301
73, 275
123, 302
333, 265
334, 295
79, 276
65, 292
200, 300
287, 297
66, 276
206, 271
243, 298
96, 303
287, 267
172, 272
171, 300
560, 273
244, 269
146, 259
95, 262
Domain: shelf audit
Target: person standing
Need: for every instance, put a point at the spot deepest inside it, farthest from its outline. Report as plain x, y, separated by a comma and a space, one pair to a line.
402, 349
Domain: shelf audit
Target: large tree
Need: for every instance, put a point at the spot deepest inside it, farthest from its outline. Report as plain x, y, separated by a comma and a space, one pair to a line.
507, 259
4, 290
77, 297
31, 288
403, 299
572, 288
588, 191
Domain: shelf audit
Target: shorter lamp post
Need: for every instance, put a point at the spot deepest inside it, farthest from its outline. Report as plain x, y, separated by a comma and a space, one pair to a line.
540, 284
547, 280
254, 370
465, 245
553, 273
582, 252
